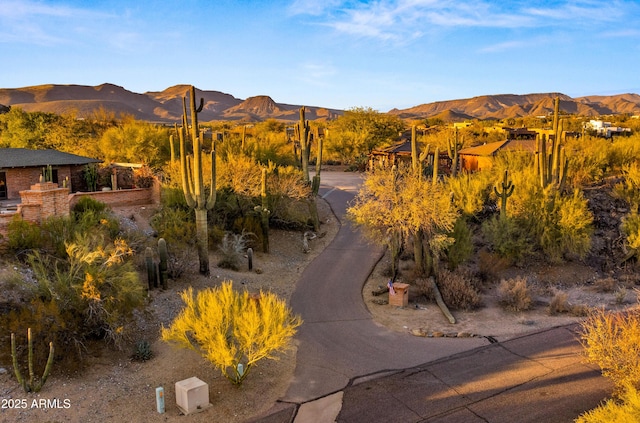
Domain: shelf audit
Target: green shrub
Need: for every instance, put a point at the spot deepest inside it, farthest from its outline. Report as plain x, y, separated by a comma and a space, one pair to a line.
508, 238
175, 225
86, 203
462, 247
23, 236
515, 294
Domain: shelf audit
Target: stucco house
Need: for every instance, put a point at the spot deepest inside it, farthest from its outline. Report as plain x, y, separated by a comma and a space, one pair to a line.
481, 157
20, 168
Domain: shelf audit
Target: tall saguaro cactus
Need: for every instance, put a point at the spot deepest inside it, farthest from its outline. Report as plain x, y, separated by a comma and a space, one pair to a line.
551, 162
193, 179
303, 134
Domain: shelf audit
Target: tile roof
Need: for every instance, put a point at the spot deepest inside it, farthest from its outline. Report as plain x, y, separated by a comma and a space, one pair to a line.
22, 157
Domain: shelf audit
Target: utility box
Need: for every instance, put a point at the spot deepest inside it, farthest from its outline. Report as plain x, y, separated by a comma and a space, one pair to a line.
401, 296
192, 395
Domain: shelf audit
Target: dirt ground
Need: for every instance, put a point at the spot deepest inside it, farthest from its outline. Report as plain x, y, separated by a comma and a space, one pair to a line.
112, 387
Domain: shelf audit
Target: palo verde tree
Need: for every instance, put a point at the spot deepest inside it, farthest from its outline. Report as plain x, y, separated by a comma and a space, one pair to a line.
193, 179
395, 204
233, 330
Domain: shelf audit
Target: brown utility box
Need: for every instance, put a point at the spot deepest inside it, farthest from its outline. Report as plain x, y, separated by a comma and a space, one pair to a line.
401, 297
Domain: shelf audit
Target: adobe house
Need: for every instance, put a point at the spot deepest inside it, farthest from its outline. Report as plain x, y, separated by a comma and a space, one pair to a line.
481, 157
20, 168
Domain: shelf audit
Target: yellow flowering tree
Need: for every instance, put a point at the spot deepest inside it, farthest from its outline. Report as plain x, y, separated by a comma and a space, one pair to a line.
395, 204
232, 330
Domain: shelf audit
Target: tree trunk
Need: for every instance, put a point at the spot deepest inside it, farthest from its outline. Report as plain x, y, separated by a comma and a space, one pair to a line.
202, 240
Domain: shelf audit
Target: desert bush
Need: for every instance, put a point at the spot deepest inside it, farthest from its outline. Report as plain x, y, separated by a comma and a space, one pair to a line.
612, 341
97, 284
559, 304
462, 247
629, 188
23, 236
588, 161
458, 290
631, 230
85, 204
607, 284
569, 229
231, 328
470, 191
175, 225
625, 409
515, 294
490, 265
231, 249
508, 238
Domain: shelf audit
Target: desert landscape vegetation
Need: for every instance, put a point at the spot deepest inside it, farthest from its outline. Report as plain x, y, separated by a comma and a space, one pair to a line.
539, 235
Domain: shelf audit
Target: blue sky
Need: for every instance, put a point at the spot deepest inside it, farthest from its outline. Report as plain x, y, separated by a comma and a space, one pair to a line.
330, 53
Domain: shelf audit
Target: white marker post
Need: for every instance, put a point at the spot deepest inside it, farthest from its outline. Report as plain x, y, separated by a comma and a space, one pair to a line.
160, 399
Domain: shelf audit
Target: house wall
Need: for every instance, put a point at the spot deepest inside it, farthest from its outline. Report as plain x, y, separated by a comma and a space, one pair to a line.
21, 179
476, 163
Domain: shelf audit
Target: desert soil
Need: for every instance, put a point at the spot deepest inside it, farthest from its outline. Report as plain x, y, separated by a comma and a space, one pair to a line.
112, 387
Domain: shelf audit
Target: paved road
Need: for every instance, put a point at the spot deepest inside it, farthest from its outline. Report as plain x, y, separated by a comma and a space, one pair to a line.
339, 340
351, 370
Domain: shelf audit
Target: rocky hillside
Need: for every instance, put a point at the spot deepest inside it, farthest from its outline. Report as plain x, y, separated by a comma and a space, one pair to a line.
166, 106
160, 106
511, 106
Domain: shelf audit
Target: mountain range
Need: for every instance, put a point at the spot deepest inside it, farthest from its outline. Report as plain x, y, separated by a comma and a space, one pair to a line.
166, 106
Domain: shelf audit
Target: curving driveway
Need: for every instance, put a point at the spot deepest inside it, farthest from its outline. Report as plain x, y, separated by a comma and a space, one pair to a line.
339, 340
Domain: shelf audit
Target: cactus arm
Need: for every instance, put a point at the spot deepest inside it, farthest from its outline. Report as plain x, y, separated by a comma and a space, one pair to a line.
436, 156
30, 345
185, 172
414, 149
47, 369
211, 201
16, 369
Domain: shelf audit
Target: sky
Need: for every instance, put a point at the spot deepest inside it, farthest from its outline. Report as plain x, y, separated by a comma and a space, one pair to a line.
337, 54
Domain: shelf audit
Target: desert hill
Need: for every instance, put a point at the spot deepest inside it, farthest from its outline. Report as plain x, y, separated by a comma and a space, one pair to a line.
155, 106
505, 106
166, 106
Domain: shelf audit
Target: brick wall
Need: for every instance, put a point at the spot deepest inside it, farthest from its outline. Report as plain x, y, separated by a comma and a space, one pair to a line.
44, 200
119, 198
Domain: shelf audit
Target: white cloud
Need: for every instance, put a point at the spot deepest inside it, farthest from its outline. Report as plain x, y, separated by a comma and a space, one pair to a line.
402, 20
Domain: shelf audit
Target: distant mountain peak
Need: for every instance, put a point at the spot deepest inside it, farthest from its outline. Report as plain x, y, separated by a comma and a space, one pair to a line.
166, 105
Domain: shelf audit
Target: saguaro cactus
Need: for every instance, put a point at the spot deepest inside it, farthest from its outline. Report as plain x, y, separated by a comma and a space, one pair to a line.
507, 191
193, 180
150, 265
264, 212
453, 148
303, 134
315, 183
417, 160
551, 163
163, 255
33, 384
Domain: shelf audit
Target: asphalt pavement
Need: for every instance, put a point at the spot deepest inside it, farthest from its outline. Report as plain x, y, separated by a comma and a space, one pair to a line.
350, 369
